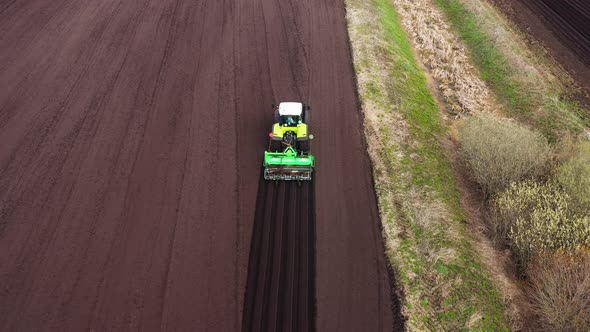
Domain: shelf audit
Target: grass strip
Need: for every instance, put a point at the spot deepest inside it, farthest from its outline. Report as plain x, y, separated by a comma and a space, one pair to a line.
500, 55
446, 286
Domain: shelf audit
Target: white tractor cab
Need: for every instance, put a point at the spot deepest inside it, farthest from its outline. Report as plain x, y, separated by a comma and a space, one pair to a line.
290, 114
290, 126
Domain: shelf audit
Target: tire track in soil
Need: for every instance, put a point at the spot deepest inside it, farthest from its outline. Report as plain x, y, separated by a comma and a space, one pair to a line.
280, 291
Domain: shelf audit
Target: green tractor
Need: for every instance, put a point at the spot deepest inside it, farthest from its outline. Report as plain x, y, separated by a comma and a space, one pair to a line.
288, 157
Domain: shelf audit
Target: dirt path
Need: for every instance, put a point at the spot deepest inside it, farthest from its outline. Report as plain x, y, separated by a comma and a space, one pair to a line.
132, 134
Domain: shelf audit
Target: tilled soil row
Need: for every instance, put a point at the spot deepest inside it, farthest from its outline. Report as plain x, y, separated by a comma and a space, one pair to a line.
280, 292
562, 26
569, 19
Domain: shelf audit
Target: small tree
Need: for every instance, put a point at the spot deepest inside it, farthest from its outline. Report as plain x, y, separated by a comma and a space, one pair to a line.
499, 153
560, 291
536, 217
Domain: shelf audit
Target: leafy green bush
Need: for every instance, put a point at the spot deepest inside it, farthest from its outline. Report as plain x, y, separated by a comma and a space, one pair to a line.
535, 217
560, 291
574, 177
499, 153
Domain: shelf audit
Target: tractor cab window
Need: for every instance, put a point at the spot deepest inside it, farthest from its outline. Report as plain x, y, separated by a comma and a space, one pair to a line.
290, 120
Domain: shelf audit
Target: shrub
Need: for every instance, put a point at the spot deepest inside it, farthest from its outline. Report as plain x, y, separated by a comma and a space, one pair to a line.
535, 217
499, 153
574, 177
560, 291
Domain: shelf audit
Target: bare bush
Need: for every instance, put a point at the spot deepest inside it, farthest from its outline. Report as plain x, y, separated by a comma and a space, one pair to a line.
536, 217
574, 177
501, 152
560, 291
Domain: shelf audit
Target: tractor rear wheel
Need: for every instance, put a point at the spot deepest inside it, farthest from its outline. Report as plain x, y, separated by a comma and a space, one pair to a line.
304, 146
275, 146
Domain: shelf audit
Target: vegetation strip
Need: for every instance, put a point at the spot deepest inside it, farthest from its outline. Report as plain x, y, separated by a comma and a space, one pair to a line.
445, 284
442, 52
537, 185
529, 86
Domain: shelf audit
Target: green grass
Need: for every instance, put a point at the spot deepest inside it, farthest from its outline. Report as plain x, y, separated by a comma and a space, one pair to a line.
420, 110
550, 110
494, 67
446, 286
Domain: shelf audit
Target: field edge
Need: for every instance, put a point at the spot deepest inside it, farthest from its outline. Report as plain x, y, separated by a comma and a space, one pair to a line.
446, 285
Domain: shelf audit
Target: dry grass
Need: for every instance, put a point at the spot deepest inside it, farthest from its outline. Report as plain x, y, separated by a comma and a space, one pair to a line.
538, 73
524, 79
445, 285
444, 54
520, 81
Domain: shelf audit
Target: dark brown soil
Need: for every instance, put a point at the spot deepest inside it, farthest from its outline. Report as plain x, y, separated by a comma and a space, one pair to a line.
562, 26
280, 294
131, 138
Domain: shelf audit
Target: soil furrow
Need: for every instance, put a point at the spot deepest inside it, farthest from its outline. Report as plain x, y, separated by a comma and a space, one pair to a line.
564, 28
285, 301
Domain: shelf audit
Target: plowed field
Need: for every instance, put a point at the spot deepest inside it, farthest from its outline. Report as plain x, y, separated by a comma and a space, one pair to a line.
564, 28
569, 19
131, 138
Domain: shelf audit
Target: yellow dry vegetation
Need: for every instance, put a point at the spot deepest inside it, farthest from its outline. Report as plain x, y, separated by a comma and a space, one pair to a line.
445, 56
538, 217
444, 284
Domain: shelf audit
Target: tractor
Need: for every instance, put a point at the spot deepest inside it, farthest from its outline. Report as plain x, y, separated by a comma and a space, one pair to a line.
288, 156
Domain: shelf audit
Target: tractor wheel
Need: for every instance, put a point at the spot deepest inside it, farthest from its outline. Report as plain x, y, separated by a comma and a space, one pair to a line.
307, 117
276, 117
304, 146
275, 146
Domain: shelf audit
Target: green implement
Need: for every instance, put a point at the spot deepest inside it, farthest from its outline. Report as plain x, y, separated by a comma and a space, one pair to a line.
288, 165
